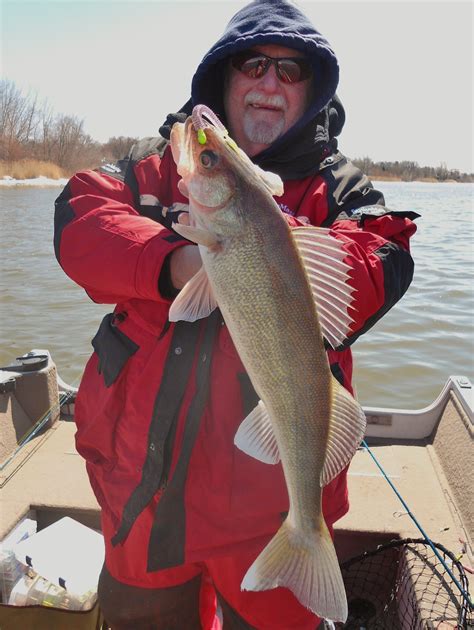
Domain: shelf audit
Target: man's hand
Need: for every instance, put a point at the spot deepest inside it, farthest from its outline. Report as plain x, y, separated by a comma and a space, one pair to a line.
184, 264
185, 261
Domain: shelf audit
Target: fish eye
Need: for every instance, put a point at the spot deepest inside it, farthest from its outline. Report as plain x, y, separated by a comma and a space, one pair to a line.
208, 159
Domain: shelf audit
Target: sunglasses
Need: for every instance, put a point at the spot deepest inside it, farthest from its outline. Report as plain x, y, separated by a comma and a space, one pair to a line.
289, 69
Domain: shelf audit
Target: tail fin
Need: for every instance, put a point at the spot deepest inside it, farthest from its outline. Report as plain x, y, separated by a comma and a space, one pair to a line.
308, 566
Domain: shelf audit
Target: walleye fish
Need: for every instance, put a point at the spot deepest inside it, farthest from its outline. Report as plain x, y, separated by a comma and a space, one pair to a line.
281, 291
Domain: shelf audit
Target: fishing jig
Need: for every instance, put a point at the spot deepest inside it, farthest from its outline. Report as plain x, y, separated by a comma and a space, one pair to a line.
203, 118
201, 136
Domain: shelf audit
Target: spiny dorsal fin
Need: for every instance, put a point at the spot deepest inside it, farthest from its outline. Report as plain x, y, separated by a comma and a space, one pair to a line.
323, 256
346, 431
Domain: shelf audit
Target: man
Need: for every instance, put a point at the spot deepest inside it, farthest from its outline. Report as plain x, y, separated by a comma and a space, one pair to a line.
184, 512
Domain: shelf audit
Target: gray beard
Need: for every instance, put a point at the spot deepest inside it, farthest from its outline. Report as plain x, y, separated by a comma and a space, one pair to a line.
262, 132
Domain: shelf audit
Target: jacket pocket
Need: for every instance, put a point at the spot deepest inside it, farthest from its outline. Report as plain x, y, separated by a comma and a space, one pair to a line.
113, 349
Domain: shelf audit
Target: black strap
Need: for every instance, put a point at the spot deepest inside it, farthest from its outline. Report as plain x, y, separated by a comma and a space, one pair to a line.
249, 396
168, 401
167, 540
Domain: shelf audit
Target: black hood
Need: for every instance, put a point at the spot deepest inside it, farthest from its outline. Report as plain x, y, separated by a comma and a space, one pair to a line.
299, 151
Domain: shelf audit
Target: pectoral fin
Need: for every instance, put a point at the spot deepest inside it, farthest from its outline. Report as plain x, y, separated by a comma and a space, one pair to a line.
195, 300
256, 437
346, 431
323, 256
196, 235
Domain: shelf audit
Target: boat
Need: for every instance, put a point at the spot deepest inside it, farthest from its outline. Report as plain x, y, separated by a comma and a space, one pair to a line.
405, 546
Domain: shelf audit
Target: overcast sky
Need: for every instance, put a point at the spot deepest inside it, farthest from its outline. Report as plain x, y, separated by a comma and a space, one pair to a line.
406, 67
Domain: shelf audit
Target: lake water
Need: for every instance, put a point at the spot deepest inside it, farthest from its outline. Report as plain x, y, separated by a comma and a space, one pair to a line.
402, 362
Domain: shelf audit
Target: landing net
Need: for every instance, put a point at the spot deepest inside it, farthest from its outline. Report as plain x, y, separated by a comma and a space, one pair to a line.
403, 585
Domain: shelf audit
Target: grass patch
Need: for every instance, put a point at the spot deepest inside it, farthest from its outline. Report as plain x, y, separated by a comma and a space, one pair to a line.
384, 178
29, 169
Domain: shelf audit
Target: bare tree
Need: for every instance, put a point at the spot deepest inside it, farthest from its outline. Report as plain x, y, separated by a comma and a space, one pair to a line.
46, 139
442, 172
71, 147
117, 148
68, 132
408, 171
365, 164
18, 119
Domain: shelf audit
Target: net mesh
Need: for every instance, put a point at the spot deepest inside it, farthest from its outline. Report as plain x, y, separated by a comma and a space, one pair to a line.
403, 585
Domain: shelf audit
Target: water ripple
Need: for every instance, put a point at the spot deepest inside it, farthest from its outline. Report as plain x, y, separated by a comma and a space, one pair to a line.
429, 334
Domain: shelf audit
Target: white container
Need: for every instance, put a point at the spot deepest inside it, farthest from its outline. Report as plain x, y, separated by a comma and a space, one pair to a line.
67, 554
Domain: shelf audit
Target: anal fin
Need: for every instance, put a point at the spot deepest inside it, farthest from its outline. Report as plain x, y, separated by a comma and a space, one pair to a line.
346, 431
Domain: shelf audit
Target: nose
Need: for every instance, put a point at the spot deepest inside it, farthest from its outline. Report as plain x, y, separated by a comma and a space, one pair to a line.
270, 82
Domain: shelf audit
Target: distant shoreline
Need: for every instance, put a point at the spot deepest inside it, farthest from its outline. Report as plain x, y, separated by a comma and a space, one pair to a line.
33, 182
421, 180
46, 182
31, 172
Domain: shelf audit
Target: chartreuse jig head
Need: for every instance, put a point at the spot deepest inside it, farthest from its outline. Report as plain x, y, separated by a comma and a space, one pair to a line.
201, 136
203, 117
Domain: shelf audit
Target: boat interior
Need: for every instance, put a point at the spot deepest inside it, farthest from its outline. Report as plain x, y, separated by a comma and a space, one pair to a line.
425, 454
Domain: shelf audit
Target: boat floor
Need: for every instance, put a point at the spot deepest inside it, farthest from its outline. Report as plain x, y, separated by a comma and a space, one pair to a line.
49, 478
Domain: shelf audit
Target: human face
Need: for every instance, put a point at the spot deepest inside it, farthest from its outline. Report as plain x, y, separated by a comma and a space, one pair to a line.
259, 111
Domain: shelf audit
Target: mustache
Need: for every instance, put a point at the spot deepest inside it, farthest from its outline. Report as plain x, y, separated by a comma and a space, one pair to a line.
256, 98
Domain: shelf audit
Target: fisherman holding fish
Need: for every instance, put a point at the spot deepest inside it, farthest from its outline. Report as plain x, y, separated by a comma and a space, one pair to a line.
245, 254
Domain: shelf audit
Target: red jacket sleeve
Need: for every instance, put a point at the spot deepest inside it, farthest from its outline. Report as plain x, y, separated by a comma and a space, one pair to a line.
102, 239
381, 267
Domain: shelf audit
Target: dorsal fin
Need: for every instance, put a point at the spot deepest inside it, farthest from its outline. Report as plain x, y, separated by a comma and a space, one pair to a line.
323, 256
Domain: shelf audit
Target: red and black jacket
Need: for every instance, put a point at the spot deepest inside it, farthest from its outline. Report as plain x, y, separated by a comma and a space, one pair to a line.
159, 403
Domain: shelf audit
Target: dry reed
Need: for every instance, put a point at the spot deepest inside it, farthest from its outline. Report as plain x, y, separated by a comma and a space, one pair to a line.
29, 169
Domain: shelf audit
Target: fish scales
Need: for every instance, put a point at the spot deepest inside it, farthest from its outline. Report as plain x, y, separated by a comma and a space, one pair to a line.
273, 323
256, 272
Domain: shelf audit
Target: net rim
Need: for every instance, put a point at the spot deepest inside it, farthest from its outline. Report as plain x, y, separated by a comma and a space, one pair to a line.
465, 606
